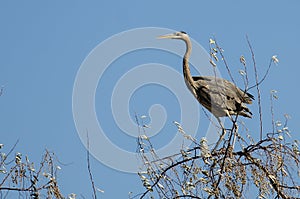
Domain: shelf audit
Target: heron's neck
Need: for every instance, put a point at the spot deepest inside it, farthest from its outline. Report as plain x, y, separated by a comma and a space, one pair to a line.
186, 69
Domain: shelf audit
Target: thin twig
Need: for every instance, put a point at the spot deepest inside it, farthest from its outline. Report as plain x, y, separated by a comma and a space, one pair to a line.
264, 77
1, 90
8, 154
257, 88
225, 62
89, 167
187, 196
272, 114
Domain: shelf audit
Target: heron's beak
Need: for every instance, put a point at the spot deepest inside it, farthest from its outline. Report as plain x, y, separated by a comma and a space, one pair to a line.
168, 36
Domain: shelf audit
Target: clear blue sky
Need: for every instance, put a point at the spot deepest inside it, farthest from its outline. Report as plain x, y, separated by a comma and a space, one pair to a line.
43, 44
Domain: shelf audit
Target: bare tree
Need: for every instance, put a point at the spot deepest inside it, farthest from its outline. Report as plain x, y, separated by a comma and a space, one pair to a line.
20, 177
265, 167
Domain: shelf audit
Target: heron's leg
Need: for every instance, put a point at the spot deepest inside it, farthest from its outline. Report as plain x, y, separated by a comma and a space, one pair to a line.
235, 128
230, 117
222, 135
235, 134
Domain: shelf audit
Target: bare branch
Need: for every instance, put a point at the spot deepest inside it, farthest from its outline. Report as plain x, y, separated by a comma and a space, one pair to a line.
257, 88
89, 166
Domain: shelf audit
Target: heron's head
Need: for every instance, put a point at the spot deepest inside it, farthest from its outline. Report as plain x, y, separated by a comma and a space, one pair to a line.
177, 35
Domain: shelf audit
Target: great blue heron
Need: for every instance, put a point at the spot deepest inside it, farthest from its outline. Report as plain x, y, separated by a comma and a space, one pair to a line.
220, 96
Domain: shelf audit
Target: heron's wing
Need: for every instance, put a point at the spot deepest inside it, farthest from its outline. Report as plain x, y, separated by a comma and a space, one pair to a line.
221, 96
219, 85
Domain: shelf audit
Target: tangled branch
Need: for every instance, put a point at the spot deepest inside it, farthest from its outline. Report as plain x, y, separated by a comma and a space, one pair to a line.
268, 165
22, 177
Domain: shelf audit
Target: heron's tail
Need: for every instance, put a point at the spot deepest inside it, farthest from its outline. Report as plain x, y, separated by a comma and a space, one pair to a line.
245, 112
248, 98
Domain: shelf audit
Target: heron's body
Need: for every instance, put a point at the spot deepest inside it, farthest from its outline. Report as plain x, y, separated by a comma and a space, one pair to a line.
221, 97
